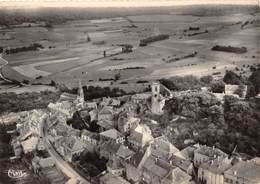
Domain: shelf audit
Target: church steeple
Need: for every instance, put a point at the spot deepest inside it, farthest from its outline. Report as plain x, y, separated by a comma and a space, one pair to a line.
80, 97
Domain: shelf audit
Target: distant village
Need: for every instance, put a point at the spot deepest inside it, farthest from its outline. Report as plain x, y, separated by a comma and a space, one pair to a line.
133, 153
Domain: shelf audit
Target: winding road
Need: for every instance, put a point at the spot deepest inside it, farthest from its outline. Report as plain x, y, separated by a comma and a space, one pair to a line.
3, 62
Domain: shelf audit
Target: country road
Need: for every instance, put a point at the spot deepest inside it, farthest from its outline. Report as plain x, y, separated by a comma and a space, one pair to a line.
3, 62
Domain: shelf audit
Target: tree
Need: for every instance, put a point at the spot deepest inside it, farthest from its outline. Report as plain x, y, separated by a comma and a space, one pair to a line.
232, 78
217, 87
53, 83
254, 78
240, 90
251, 92
26, 81
48, 25
169, 84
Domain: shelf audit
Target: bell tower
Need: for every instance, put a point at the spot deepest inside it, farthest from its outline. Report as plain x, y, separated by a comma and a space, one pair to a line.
157, 101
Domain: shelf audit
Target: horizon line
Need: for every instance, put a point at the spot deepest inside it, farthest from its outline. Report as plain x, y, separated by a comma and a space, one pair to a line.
116, 3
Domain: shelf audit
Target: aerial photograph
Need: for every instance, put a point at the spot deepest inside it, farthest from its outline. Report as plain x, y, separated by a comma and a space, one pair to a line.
130, 92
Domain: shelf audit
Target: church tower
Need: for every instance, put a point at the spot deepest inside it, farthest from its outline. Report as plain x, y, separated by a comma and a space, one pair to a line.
80, 97
157, 100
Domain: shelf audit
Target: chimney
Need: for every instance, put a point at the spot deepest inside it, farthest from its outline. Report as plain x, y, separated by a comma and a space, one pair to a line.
213, 147
235, 173
171, 162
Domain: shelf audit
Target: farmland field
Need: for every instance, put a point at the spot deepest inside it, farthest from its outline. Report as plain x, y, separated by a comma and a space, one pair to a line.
75, 49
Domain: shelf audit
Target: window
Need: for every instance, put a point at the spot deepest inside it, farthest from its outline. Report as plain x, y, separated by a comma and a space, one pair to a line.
156, 88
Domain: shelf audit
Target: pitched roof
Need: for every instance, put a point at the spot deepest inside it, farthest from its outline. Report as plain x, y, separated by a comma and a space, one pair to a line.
92, 104
90, 134
109, 146
124, 118
181, 163
105, 124
140, 135
124, 152
29, 142
112, 133
210, 151
106, 110
61, 128
188, 152
248, 170
112, 179
114, 163
137, 158
163, 147
46, 162
74, 144
217, 166
157, 167
177, 176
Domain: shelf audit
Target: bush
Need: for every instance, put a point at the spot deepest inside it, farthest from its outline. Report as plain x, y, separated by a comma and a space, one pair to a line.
206, 79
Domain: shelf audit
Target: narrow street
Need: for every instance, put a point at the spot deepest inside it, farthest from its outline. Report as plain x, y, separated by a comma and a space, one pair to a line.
65, 167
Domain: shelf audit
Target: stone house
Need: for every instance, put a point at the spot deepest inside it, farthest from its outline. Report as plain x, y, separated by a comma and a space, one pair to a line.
134, 165
157, 171
106, 113
112, 135
244, 172
212, 171
140, 137
162, 148
126, 123
107, 149
89, 137
112, 179
204, 154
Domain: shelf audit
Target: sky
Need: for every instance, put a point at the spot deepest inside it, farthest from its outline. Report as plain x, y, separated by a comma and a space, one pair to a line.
118, 3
